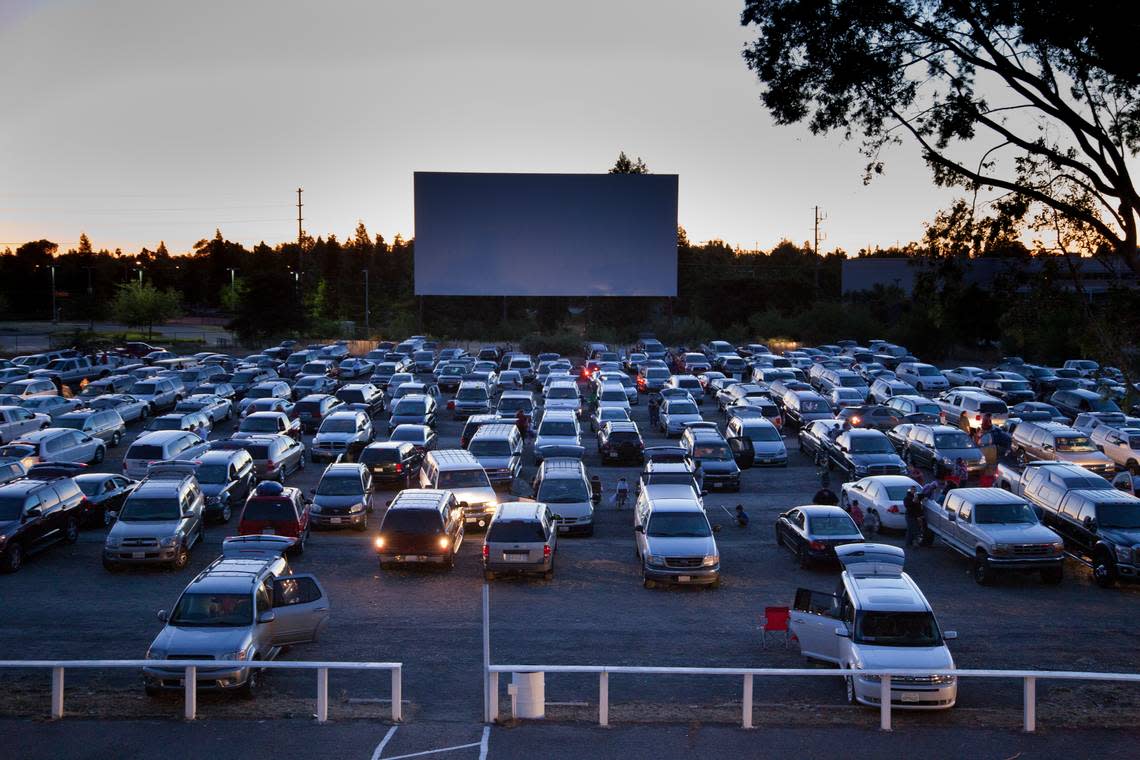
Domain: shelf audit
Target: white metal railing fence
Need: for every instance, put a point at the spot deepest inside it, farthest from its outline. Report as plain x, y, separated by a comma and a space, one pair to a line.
1029, 680
190, 676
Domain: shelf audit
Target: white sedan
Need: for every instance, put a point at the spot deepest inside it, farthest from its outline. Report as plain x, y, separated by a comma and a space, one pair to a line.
880, 497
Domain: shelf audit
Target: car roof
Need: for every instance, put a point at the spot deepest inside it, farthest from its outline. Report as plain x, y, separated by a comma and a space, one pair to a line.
562, 467
672, 496
343, 469
419, 498
36, 436
520, 510
822, 510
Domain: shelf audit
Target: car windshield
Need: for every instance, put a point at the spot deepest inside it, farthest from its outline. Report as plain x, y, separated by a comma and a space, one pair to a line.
678, 525
408, 434
333, 425
142, 510
260, 425
953, 441
269, 510
557, 427
413, 521
656, 373
340, 485
896, 493
562, 491
514, 404
487, 447
615, 394
413, 407
763, 433
897, 629
471, 394
166, 423
837, 525
260, 393
562, 391
1075, 443
1015, 385
463, 479
212, 473
671, 479
927, 371
213, 610
682, 407
143, 389
851, 382
871, 445
994, 514
75, 423
718, 451
11, 507
1124, 515
812, 405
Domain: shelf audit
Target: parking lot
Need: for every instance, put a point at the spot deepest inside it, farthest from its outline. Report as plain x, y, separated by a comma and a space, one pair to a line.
62, 605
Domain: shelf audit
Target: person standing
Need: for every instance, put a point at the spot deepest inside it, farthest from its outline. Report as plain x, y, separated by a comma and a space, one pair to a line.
912, 506
654, 411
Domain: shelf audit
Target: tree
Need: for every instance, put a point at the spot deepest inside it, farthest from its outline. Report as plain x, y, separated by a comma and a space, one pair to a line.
84, 243
137, 304
625, 165
1034, 100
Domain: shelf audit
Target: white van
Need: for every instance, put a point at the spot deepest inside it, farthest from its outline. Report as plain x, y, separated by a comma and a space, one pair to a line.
877, 619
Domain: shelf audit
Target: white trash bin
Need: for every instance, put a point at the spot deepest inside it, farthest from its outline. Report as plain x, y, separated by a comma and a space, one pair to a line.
530, 695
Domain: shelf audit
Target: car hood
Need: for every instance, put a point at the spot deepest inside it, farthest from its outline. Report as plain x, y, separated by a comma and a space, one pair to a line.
1122, 535
175, 639
149, 528
768, 448
213, 489
869, 460
873, 657
475, 496
333, 437
1021, 533
338, 501
719, 466
682, 547
571, 508
8, 527
556, 440
494, 463
967, 455
1083, 457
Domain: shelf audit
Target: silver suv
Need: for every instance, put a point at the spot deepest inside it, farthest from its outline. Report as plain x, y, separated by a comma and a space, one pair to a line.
521, 539
246, 605
562, 483
160, 521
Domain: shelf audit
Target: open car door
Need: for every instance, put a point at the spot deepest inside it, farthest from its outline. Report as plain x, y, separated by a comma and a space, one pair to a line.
814, 618
742, 451
301, 608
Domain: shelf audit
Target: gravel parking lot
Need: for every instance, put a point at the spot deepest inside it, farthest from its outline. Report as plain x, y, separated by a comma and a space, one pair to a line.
62, 604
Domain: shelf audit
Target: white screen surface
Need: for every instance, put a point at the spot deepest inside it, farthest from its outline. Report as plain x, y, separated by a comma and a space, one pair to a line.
546, 234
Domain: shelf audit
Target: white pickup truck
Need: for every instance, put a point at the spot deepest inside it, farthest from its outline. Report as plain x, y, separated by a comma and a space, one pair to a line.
1044, 483
997, 531
76, 369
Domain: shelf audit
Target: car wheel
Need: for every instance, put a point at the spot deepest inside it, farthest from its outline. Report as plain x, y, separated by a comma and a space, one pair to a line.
363, 526
300, 463
71, 530
100, 454
849, 682
983, 574
1104, 570
252, 683
116, 439
181, 558
1052, 576
871, 523
13, 558
927, 537
1133, 467
299, 547
648, 583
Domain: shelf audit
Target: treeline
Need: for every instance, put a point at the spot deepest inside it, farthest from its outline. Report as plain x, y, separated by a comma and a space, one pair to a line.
317, 289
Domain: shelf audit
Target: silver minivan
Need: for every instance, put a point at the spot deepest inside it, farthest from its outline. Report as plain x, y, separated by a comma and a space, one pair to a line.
521, 539
160, 446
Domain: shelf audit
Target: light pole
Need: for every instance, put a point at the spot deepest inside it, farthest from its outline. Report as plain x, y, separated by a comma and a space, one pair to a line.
139, 270
232, 285
90, 301
366, 309
54, 311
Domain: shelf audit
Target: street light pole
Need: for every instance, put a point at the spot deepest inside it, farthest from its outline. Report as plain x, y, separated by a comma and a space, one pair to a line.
366, 309
90, 301
54, 311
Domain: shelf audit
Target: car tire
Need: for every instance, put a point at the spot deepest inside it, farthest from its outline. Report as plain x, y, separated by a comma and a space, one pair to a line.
109, 566
227, 512
13, 558
548, 575
779, 538
144, 413
299, 547
252, 685
982, 572
100, 455
927, 538
362, 526
181, 558
1052, 576
1104, 569
71, 530
849, 684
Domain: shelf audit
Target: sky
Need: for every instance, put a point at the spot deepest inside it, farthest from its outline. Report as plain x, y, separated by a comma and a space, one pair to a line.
137, 121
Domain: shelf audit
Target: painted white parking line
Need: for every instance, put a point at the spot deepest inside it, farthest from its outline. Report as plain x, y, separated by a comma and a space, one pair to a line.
383, 743
482, 744
435, 751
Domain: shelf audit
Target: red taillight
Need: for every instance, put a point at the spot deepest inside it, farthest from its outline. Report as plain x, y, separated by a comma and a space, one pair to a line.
451, 404
545, 551
778, 422
486, 551
817, 546
399, 467
978, 417
893, 509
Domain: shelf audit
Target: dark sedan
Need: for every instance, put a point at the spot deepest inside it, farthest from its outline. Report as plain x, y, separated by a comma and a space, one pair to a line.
102, 493
812, 532
859, 453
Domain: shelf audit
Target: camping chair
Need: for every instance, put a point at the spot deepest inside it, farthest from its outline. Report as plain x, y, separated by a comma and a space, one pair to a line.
774, 621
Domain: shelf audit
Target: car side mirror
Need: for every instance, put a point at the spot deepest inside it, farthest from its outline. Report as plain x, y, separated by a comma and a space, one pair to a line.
638, 528
163, 616
464, 505
952, 517
33, 512
267, 617
1048, 447
111, 516
1090, 524
842, 632
949, 635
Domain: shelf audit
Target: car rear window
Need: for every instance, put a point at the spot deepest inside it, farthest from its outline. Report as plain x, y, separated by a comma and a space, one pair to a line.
144, 451
516, 531
269, 510
992, 407
415, 521
374, 456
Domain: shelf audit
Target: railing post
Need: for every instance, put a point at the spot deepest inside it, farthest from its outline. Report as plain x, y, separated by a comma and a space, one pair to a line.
56, 693
1030, 703
603, 698
747, 700
190, 684
397, 693
493, 696
322, 695
885, 703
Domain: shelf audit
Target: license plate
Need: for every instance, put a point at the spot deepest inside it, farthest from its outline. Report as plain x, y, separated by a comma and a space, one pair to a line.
138, 555
268, 532
515, 557
335, 520
684, 578
910, 696
563, 528
614, 454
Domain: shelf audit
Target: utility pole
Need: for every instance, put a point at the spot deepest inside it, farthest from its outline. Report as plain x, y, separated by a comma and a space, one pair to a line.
90, 301
366, 309
54, 311
817, 218
300, 237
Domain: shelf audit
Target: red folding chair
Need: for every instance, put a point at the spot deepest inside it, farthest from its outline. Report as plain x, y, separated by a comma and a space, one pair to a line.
774, 621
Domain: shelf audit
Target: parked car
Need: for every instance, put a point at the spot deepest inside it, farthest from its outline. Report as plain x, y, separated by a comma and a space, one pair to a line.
311, 410
216, 408
939, 447
924, 377
880, 498
859, 453
422, 437
1101, 528
1052, 440
673, 539
55, 445
767, 443
104, 424
1075, 401
226, 479
277, 510
343, 497
521, 538
161, 446
364, 397
816, 439
421, 526
103, 492
414, 409
392, 461
35, 514
53, 406
812, 532
341, 432
262, 423
16, 421
160, 522
561, 484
